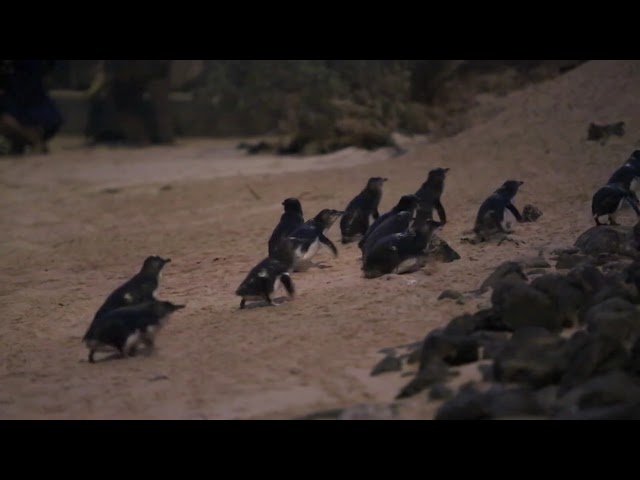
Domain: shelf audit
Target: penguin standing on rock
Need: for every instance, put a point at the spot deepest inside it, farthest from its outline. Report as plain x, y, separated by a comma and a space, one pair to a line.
608, 200
490, 218
266, 277
407, 203
401, 252
291, 219
138, 289
307, 238
429, 195
361, 211
127, 328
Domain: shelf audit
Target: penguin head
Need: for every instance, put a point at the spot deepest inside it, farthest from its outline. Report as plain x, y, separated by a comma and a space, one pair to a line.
327, 217
292, 205
438, 174
408, 203
510, 187
376, 183
154, 264
634, 160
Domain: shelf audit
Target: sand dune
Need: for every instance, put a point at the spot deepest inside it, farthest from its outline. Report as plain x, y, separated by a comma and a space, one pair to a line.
78, 222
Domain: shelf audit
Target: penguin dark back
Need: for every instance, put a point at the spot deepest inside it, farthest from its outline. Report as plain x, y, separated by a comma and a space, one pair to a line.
407, 203
362, 210
490, 217
429, 195
291, 219
138, 289
125, 329
263, 280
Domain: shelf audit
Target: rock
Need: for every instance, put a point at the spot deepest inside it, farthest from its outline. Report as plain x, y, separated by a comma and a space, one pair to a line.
531, 213
566, 261
625, 411
441, 250
536, 271
533, 262
452, 349
461, 325
567, 250
440, 391
451, 294
387, 364
633, 366
615, 318
486, 370
505, 271
369, 412
601, 133
506, 402
491, 342
467, 404
566, 297
613, 388
591, 355
434, 372
609, 239
519, 304
331, 414
489, 319
499, 401
533, 357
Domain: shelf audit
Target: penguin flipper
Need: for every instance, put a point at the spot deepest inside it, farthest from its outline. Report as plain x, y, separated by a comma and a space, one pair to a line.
325, 241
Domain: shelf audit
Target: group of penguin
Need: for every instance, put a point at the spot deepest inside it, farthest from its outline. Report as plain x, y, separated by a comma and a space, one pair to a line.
394, 242
619, 190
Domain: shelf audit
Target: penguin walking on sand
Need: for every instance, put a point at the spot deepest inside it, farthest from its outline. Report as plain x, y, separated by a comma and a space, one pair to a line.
491, 214
361, 211
125, 329
307, 238
608, 199
291, 219
266, 277
401, 252
429, 195
407, 203
138, 289
398, 223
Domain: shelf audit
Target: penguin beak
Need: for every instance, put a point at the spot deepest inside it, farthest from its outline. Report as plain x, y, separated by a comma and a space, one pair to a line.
520, 183
385, 179
178, 307
167, 260
446, 170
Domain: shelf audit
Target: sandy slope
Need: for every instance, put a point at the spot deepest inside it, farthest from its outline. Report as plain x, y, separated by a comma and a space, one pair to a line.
78, 222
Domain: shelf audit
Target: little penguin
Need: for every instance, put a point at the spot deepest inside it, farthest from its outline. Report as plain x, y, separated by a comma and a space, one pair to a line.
127, 328
137, 289
361, 211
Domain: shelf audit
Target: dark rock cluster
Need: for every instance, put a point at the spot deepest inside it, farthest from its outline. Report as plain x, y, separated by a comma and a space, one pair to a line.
563, 345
